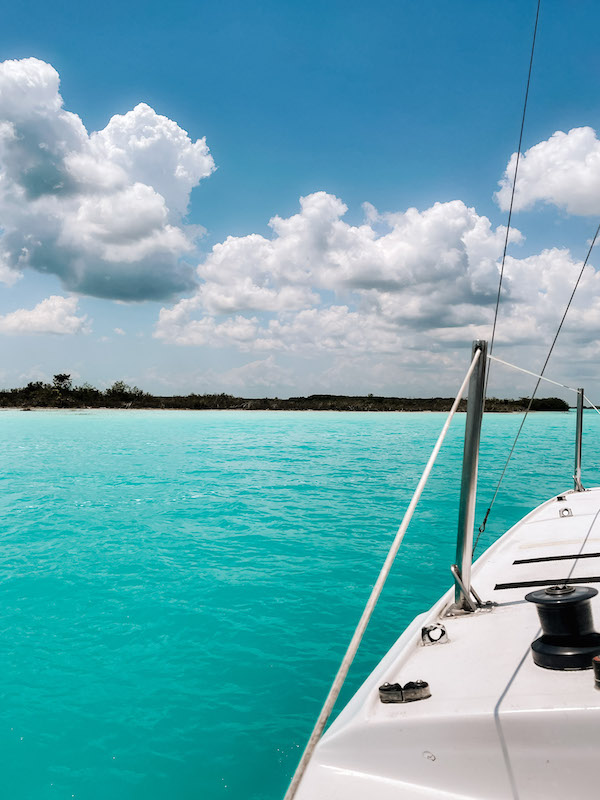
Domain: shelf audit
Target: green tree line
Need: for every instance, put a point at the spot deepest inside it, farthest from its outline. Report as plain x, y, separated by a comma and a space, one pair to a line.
61, 393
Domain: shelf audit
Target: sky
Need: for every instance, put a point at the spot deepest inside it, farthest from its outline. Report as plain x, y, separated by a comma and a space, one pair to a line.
280, 198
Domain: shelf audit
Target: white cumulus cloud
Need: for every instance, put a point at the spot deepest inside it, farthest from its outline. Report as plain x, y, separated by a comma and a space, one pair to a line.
320, 283
103, 211
56, 315
564, 171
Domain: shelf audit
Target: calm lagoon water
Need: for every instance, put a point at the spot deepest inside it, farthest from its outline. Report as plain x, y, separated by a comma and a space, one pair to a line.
178, 587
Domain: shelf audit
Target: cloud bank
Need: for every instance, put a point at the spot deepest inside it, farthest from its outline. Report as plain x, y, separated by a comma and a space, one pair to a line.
407, 289
321, 283
105, 212
102, 211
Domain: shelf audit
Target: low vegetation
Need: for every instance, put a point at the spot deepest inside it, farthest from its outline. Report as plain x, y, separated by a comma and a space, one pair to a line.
62, 394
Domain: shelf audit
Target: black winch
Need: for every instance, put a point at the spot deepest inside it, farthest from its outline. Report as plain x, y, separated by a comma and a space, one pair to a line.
568, 640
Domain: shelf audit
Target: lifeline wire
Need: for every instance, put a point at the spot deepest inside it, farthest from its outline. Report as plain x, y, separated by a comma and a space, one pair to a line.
373, 598
539, 380
514, 185
548, 380
585, 397
535, 375
583, 543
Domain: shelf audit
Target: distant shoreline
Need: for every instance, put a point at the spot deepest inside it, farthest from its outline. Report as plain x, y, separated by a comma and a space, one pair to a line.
62, 395
270, 410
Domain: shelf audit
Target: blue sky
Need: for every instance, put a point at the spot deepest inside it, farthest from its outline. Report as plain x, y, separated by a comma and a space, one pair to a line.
399, 104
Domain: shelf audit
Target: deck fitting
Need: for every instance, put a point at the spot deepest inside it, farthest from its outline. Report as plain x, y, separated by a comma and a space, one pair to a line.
409, 693
434, 634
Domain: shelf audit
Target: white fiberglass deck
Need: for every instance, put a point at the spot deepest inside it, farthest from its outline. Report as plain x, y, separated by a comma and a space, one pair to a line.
496, 725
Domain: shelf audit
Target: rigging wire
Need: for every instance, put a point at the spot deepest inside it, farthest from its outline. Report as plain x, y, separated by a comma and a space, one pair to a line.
514, 185
539, 380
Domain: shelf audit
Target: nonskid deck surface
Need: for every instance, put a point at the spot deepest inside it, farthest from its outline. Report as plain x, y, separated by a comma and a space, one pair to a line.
496, 725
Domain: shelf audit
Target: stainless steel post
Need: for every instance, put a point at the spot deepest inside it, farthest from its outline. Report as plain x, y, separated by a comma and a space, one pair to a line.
578, 437
468, 487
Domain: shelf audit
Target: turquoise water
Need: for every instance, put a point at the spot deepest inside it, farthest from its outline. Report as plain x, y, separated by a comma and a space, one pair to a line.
178, 587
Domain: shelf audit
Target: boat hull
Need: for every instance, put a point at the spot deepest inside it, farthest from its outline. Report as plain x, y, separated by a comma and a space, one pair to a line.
496, 725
